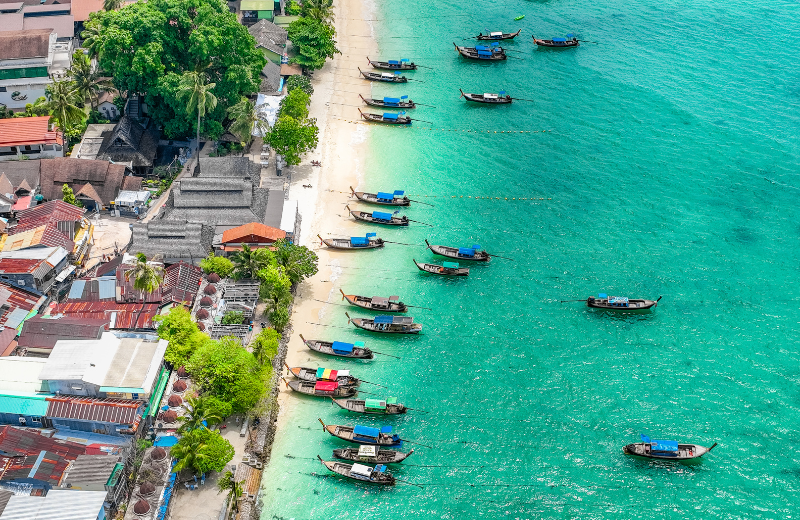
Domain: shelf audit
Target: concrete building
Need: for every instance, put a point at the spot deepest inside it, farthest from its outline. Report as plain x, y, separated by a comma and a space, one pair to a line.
29, 59
28, 137
22, 394
33, 269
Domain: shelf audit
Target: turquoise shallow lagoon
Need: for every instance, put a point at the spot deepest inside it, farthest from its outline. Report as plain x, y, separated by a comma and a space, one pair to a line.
670, 166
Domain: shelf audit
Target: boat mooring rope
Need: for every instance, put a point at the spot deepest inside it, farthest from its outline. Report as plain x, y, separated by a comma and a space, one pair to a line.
453, 129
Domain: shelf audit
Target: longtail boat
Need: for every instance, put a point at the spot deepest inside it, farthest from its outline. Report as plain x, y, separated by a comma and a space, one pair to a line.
403, 64
365, 434
621, 303
385, 118
482, 52
387, 324
557, 43
313, 375
666, 450
371, 455
489, 99
460, 253
371, 475
446, 269
383, 198
322, 388
498, 36
378, 217
355, 350
388, 102
375, 303
388, 406
368, 242
384, 77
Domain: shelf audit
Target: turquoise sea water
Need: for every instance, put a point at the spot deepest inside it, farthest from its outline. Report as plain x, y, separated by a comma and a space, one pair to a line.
670, 167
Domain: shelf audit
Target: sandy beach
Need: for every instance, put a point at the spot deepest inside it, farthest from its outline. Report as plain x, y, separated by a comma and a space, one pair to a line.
342, 151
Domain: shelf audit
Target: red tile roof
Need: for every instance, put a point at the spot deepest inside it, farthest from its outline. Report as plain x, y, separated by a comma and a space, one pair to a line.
181, 282
115, 411
252, 233
20, 131
50, 214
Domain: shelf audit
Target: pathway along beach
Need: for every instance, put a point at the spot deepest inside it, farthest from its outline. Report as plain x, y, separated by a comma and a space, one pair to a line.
665, 169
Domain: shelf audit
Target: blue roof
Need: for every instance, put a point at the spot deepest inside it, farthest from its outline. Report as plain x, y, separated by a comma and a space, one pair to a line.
389, 116
23, 405
466, 251
559, 39
657, 445
391, 100
366, 431
602, 295
381, 215
385, 196
339, 346
384, 319
358, 241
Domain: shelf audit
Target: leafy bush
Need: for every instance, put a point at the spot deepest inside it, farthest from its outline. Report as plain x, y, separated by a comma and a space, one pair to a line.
181, 331
216, 264
279, 318
233, 318
265, 345
203, 451
293, 9
301, 82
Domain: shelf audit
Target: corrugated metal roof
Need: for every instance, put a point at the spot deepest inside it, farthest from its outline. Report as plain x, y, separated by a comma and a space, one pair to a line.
90, 469
76, 290
41, 332
58, 504
17, 442
114, 411
15, 404
20, 375
119, 315
15, 317
81, 359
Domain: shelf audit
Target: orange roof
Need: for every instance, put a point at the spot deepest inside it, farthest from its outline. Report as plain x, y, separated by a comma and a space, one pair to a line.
252, 233
81, 9
19, 131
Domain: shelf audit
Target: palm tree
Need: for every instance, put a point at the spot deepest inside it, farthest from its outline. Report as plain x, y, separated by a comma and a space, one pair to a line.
197, 411
247, 262
92, 37
88, 80
37, 108
189, 451
235, 489
320, 10
245, 119
198, 96
65, 106
111, 5
146, 279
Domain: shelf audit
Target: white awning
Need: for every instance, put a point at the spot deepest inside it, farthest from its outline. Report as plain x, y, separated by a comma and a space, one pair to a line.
66, 272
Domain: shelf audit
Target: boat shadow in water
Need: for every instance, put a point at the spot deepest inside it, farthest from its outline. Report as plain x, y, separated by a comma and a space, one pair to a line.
690, 466
619, 316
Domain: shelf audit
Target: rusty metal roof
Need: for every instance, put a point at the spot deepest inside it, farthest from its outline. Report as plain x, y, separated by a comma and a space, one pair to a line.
114, 411
117, 315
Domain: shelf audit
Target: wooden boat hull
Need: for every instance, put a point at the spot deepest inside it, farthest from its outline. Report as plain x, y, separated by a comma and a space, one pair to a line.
383, 457
382, 104
439, 270
372, 198
634, 305
478, 98
357, 406
326, 347
365, 302
472, 54
385, 65
686, 452
505, 36
307, 388
376, 118
343, 243
364, 324
452, 252
366, 217
371, 76
310, 375
346, 434
550, 44
385, 479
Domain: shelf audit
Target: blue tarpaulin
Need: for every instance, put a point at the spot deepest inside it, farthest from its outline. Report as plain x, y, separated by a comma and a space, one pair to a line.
394, 62
371, 235
386, 429
339, 346
366, 431
389, 116
382, 195
399, 192
484, 53
657, 445
391, 101
559, 39
481, 48
466, 251
384, 319
166, 441
380, 215
358, 241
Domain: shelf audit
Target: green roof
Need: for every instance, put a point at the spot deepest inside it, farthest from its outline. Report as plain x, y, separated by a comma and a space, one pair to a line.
158, 393
257, 5
23, 405
115, 473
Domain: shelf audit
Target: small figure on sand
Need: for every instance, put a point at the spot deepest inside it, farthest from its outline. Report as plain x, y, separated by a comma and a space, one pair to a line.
316, 163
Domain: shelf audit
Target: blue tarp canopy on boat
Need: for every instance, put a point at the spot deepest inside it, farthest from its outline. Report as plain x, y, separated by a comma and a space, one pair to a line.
391, 101
386, 429
476, 246
339, 346
466, 251
394, 62
657, 445
481, 48
559, 39
602, 295
366, 431
381, 215
389, 116
358, 241
484, 53
399, 193
384, 319
382, 195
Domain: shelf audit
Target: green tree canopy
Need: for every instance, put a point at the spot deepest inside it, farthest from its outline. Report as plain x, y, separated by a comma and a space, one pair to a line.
89, 82
203, 451
314, 41
265, 345
199, 409
292, 137
248, 262
65, 106
245, 120
233, 318
301, 82
299, 261
216, 264
295, 104
181, 331
148, 46
227, 370
279, 317
275, 286
320, 10
68, 196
